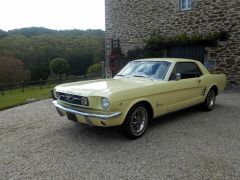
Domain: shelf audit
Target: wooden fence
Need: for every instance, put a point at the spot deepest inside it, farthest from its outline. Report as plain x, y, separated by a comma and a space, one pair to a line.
41, 83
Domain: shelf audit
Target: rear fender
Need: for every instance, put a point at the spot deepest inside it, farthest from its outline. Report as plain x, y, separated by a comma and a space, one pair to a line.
208, 89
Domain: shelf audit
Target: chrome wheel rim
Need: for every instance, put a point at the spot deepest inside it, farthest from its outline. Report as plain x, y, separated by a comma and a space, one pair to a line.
139, 121
211, 100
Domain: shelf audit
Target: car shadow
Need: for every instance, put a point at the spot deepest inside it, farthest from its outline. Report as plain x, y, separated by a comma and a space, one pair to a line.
175, 116
81, 131
93, 132
186, 114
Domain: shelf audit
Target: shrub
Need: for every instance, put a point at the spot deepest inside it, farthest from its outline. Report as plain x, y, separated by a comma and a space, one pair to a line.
59, 66
94, 70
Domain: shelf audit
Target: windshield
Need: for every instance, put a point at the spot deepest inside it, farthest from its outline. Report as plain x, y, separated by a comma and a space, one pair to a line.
146, 69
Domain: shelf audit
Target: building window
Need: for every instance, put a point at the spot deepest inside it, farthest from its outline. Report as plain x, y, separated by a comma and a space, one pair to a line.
186, 4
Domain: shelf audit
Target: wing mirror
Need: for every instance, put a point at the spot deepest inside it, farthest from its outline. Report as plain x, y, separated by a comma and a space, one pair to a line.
178, 76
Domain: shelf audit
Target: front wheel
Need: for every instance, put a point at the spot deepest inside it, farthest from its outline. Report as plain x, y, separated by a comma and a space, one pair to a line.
210, 100
136, 121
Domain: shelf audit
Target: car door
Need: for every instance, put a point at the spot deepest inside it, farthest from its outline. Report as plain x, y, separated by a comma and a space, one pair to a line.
188, 90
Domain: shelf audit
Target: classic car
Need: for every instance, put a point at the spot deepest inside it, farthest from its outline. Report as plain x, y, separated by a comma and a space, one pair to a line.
143, 90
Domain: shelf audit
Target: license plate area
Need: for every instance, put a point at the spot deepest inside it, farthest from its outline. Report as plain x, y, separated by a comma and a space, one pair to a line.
72, 117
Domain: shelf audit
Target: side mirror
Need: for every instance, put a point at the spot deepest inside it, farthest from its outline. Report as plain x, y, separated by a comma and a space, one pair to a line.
178, 76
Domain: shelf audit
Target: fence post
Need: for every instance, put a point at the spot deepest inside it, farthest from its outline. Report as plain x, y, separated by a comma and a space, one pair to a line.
41, 83
2, 88
22, 84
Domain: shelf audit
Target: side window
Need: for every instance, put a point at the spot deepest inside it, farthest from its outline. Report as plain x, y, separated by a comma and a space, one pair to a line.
185, 5
187, 70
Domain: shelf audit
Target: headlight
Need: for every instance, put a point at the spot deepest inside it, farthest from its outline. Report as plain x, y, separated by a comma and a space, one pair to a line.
105, 103
84, 101
57, 95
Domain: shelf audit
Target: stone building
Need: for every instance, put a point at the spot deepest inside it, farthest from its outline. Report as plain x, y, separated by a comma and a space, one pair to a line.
133, 21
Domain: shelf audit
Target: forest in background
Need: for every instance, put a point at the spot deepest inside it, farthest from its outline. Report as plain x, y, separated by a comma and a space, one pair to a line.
36, 47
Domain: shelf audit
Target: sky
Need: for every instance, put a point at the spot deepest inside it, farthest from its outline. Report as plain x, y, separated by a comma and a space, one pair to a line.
53, 14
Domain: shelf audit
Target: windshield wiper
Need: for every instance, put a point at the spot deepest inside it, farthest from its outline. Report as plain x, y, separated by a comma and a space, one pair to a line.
120, 75
142, 76
139, 76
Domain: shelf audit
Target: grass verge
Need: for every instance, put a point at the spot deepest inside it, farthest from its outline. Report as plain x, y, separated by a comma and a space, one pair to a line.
16, 97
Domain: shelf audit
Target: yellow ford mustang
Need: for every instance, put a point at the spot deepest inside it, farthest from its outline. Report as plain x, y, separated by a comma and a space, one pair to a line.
144, 89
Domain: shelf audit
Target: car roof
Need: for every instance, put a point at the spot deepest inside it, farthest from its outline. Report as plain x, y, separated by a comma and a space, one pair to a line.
172, 60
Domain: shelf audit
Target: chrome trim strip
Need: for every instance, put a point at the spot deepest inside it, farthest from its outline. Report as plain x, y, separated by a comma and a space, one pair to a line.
85, 114
167, 77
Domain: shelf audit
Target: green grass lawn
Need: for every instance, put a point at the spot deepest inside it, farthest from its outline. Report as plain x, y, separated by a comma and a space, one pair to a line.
16, 97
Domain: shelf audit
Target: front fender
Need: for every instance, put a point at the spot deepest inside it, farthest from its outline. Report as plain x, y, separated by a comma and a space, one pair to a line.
128, 104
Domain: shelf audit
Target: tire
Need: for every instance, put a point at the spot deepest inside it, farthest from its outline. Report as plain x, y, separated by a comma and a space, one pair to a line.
210, 100
136, 121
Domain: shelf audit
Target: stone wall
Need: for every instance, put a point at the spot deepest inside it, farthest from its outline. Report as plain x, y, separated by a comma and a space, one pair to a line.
133, 21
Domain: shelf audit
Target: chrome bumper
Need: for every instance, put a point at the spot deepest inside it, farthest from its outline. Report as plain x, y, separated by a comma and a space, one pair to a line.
85, 114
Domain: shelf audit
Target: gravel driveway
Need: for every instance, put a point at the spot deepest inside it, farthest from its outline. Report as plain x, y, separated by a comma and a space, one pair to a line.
35, 143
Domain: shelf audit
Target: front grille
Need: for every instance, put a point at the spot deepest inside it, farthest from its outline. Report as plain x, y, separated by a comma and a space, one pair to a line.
74, 99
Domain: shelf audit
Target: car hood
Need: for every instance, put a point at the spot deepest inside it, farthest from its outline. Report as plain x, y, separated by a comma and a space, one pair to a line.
104, 87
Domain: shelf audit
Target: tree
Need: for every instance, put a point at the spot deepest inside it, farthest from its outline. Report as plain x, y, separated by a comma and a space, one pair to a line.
94, 70
36, 47
12, 70
2, 33
59, 66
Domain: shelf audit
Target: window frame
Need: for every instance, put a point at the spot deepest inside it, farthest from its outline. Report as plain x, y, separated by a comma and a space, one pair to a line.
187, 7
174, 71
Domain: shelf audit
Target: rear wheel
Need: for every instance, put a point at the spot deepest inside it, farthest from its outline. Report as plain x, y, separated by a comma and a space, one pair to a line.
136, 121
210, 100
